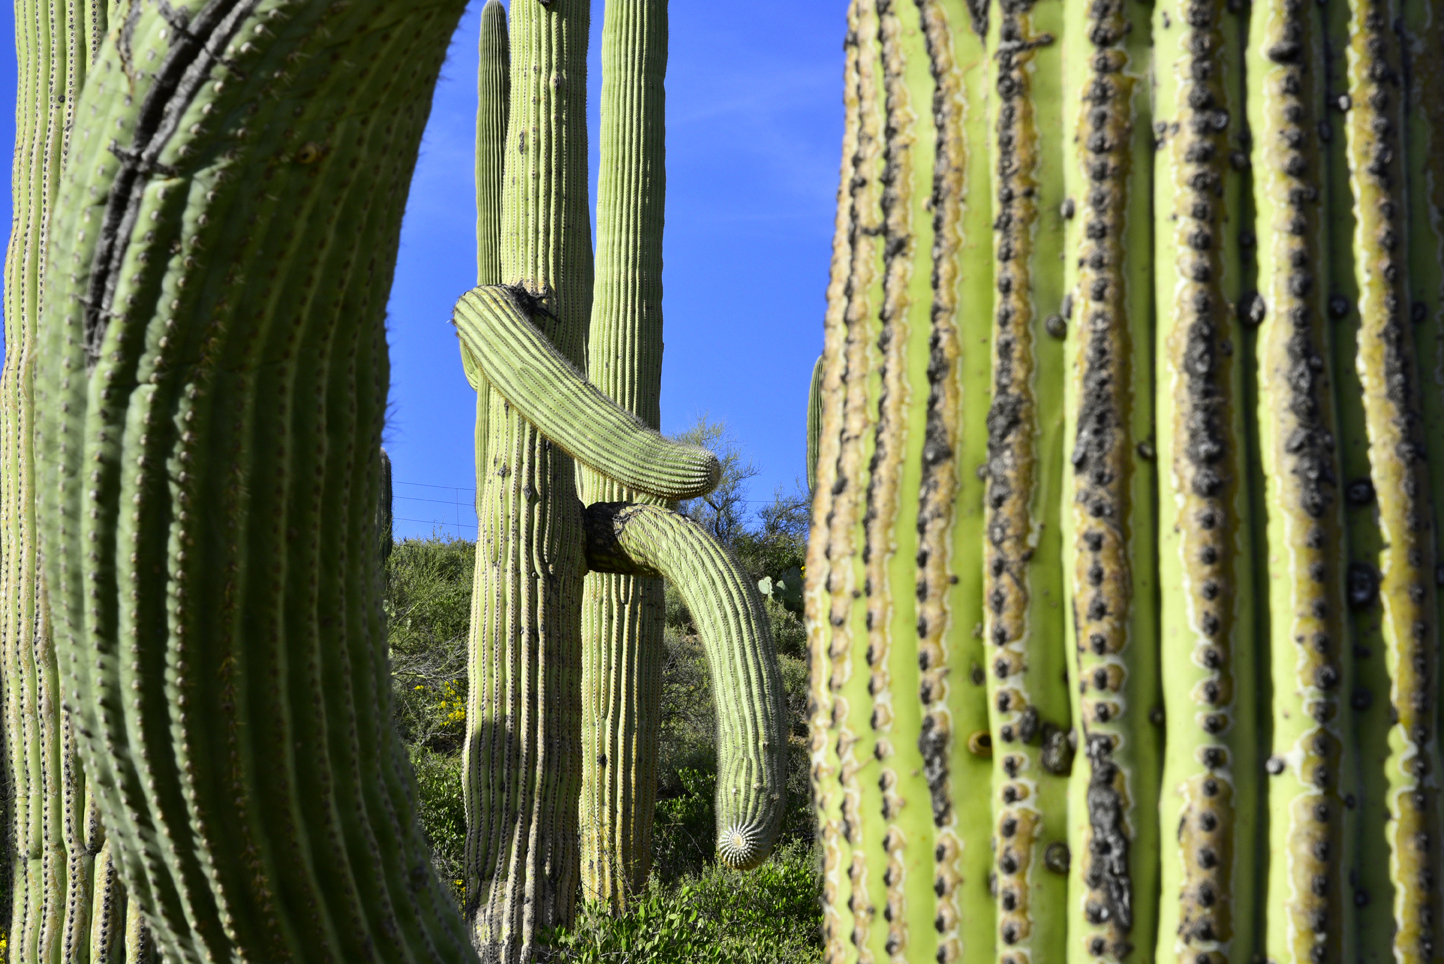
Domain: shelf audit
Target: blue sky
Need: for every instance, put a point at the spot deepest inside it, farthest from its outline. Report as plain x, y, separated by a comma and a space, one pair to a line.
754, 128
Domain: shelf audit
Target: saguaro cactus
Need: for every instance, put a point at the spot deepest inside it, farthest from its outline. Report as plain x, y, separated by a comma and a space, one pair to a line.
623, 615
531, 743
1213, 476
65, 902
210, 395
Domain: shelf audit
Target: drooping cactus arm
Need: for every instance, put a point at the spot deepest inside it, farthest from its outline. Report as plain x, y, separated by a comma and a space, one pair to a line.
523, 365
648, 540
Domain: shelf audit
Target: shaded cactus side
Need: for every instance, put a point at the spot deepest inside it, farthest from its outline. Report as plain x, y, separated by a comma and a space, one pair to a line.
1245, 596
62, 896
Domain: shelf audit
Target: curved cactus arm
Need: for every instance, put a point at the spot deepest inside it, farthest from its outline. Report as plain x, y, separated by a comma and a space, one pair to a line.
538, 381
814, 422
648, 540
209, 450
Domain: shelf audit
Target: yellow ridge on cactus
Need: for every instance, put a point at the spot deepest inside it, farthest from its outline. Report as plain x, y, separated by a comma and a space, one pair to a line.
521, 363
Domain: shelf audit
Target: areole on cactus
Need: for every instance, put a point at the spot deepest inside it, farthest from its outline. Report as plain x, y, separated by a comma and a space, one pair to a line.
1187, 258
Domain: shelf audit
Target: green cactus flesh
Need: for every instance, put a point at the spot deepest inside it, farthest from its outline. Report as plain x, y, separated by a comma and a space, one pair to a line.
623, 616
1209, 341
899, 703
814, 421
211, 395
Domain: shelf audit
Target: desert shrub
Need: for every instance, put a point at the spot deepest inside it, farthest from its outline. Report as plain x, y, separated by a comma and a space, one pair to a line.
770, 914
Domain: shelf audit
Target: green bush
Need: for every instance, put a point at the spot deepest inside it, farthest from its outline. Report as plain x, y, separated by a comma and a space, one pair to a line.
771, 914
443, 815
428, 608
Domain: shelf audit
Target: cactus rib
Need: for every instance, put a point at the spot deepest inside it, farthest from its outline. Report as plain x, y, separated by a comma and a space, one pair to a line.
56, 890
1023, 625
623, 616
1211, 761
895, 695
824, 752
1297, 433
1109, 527
647, 540
537, 380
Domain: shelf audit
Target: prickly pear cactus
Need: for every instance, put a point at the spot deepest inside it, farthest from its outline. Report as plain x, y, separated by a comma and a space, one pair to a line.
1177, 590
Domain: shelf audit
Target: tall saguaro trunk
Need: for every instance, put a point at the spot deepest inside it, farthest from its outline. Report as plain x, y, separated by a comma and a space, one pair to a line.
1248, 480
900, 719
210, 391
65, 901
623, 615
524, 708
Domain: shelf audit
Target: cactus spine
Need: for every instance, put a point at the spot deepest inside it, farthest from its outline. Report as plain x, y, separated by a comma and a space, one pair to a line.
1251, 467
623, 615
209, 462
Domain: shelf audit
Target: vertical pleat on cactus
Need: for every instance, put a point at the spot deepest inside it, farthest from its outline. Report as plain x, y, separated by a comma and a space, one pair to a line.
211, 394
899, 702
1024, 620
1230, 216
1207, 641
623, 615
